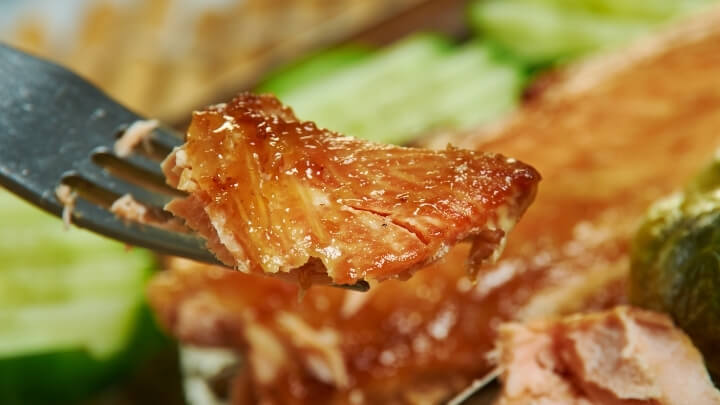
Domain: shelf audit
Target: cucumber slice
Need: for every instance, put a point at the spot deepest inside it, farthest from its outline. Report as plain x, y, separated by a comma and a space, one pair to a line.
99, 325
469, 78
313, 67
71, 304
487, 95
328, 100
416, 93
409, 88
71, 375
659, 10
539, 32
395, 80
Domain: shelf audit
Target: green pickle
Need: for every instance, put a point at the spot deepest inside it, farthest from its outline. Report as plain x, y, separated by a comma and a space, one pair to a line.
72, 308
675, 265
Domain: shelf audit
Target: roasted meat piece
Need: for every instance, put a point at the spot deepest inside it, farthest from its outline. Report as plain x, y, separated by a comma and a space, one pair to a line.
624, 356
401, 342
609, 136
275, 194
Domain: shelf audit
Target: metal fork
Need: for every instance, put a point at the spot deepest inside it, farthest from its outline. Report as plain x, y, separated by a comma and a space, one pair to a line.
56, 128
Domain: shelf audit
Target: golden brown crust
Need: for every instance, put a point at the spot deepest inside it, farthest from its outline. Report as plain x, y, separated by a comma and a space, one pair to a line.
605, 153
281, 194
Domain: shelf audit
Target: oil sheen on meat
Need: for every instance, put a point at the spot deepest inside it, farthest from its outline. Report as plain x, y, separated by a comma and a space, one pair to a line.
609, 137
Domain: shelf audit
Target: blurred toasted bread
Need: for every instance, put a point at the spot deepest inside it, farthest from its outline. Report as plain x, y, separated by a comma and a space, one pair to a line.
163, 58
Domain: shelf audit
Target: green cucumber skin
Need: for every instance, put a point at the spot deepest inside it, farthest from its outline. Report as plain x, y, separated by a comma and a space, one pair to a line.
47, 308
57, 377
69, 376
72, 308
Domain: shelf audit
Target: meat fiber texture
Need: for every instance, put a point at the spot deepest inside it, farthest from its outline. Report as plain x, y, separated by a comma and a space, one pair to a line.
624, 356
609, 136
273, 194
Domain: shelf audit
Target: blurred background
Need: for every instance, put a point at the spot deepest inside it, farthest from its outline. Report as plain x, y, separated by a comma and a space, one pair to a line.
75, 326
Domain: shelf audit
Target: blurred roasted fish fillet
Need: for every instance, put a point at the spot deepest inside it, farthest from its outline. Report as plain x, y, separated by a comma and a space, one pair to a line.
624, 356
609, 136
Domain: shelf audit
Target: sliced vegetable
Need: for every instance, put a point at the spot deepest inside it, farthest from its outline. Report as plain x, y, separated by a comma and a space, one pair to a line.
544, 31
329, 99
70, 305
676, 262
312, 67
642, 9
539, 33
417, 85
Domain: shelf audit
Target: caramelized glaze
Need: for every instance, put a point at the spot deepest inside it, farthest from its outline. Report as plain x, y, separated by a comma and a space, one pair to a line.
284, 194
605, 151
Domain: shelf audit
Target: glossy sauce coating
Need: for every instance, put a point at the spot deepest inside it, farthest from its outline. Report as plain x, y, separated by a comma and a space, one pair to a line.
286, 194
606, 151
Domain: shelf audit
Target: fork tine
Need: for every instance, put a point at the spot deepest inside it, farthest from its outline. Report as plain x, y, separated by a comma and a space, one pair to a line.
166, 138
146, 165
51, 123
89, 215
135, 169
100, 178
152, 168
483, 391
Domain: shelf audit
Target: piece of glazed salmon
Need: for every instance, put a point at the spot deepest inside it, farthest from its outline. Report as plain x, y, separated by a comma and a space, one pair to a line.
610, 136
624, 356
275, 194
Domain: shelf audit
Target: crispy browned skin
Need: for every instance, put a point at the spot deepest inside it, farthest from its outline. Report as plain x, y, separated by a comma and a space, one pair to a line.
282, 194
605, 151
625, 356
